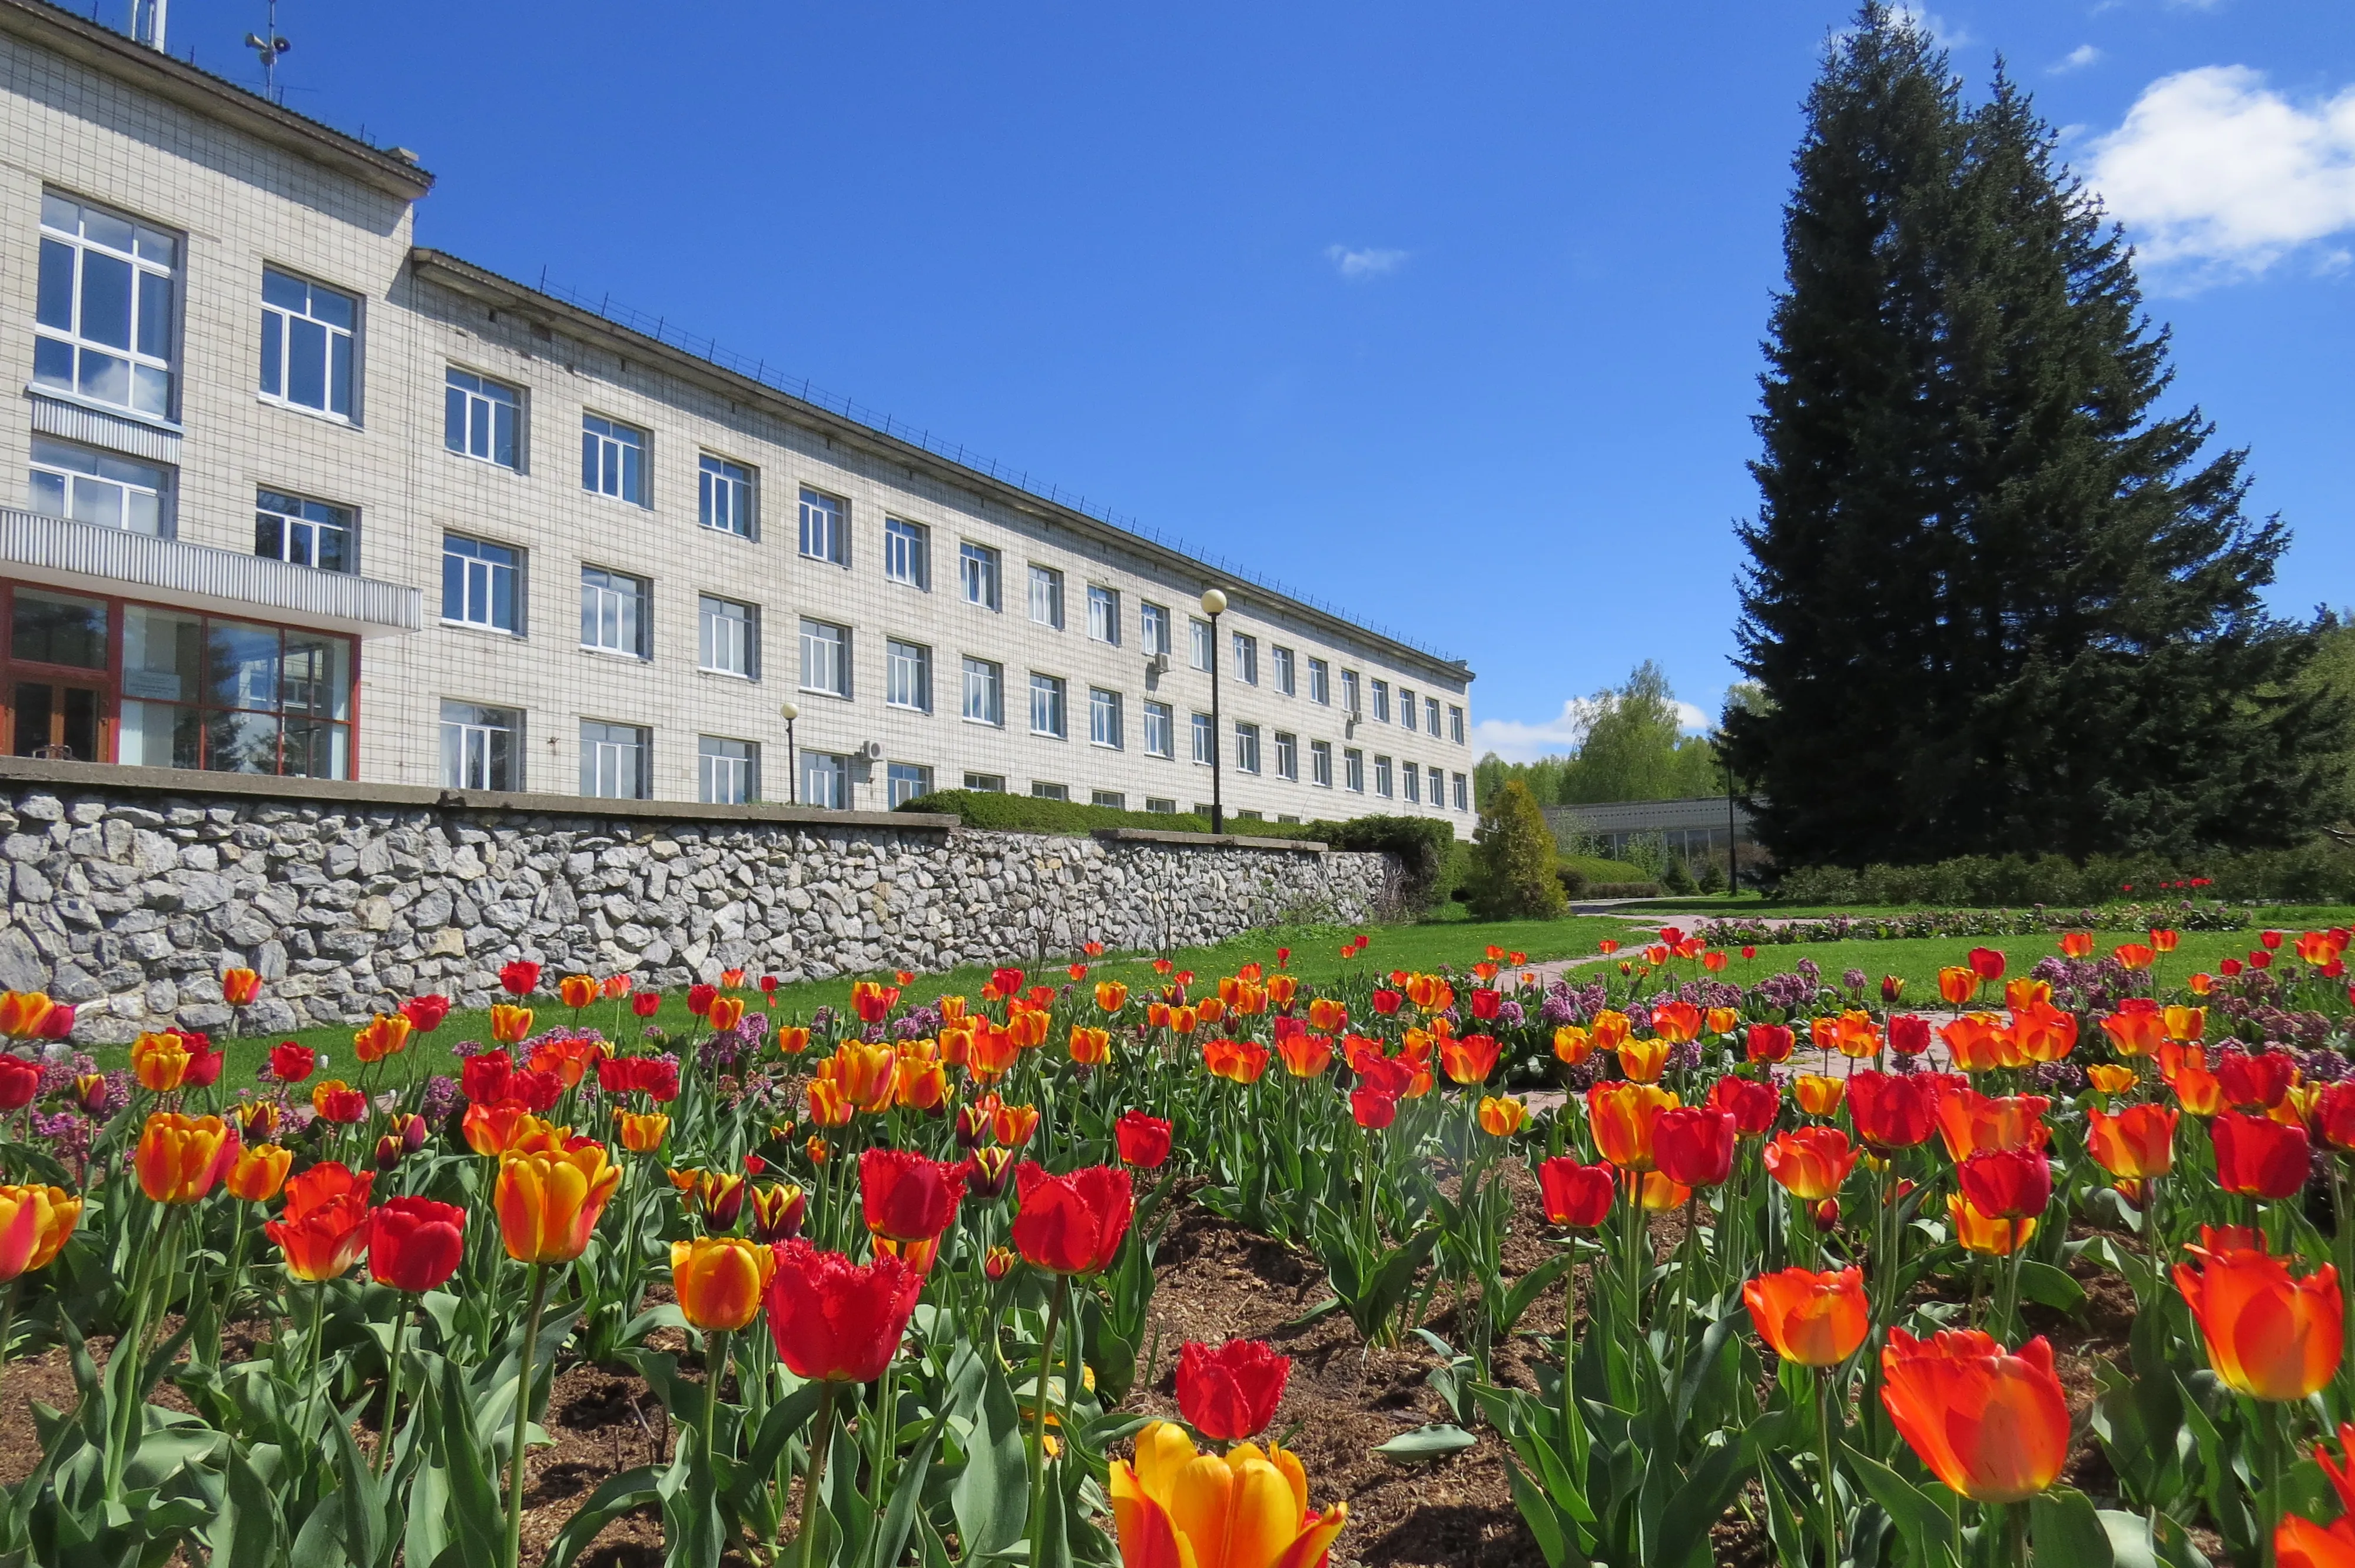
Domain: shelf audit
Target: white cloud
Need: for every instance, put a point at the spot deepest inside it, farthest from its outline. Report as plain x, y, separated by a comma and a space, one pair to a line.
2217, 175
1518, 742
1691, 718
2077, 58
1369, 262
1947, 34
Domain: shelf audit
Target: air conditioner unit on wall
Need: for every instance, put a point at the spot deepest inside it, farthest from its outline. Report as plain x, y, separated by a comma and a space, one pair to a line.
1158, 665
871, 752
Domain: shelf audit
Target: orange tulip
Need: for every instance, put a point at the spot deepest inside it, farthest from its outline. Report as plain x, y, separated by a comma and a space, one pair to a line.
1676, 1021
866, 1074
1469, 1060
386, 1035
2076, 944
1620, 1115
1808, 1319
180, 1158
921, 1084
22, 1012
1610, 1029
726, 1013
1984, 1234
1957, 985
159, 1062
1723, 1019
1304, 1056
260, 1172
549, 1203
577, 991
720, 1279
794, 1038
2198, 1090
2299, 1543
1971, 1123
510, 1025
2110, 1078
1501, 1116
1818, 1095
2163, 940
1855, 1035
2269, 1335
1642, 1061
1090, 1047
324, 1226
2134, 956
1660, 1194
1812, 1162
240, 986
1573, 1045
1248, 1509
35, 1222
2135, 1145
1238, 1061
1979, 1043
614, 987
828, 1106
641, 1134
1992, 1424
1111, 995
2136, 1031
2044, 1032
504, 1127
1326, 1015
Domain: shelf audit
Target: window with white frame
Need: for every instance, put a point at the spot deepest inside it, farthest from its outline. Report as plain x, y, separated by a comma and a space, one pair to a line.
1382, 777
1320, 684
614, 760
1456, 724
1463, 794
1153, 626
1206, 739
907, 553
1349, 693
984, 692
1103, 614
986, 783
825, 658
1042, 790
1200, 641
823, 536
1353, 771
613, 617
612, 458
1160, 730
723, 495
1320, 763
307, 533
481, 748
1431, 716
91, 486
1104, 717
482, 584
1279, 668
1161, 805
103, 323
728, 772
977, 571
1246, 651
906, 781
1287, 756
1047, 714
1406, 708
1246, 747
482, 419
1411, 782
307, 344
826, 780
1047, 597
907, 675
1382, 701
728, 637
1111, 798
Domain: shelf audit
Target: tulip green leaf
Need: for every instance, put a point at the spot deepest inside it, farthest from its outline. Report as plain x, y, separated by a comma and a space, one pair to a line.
1425, 1443
2065, 1531
2050, 1286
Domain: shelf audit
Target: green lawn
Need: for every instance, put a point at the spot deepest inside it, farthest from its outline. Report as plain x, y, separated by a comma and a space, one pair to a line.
1918, 960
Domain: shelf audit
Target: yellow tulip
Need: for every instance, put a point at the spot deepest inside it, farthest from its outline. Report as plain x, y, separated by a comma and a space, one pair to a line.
1248, 1509
549, 1202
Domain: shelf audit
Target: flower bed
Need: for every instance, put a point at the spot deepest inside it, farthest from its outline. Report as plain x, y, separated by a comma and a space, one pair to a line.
1973, 923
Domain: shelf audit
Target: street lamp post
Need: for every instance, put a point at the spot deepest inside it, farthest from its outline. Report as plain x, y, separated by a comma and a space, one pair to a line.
789, 713
1214, 604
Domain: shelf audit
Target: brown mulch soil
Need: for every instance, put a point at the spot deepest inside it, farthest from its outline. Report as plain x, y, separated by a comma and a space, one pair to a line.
1215, 1280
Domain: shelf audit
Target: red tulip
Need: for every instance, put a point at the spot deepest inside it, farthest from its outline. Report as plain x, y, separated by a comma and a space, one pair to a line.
1577, 1197
486, 1077
1769, 1043
1986, 963
19, 1081
2258, 1157
905, 1196
1230, 1393
1143, 1140
1752, 1105
324, 1226
520, 978
1992, 1424
1693, 1146
1892, 1110
835, 1321
2007, 1183
415, 1244
2254, 1082
290, 1063
1909, 1034
699, 999
1072, 1224
646, 1003
425, 1013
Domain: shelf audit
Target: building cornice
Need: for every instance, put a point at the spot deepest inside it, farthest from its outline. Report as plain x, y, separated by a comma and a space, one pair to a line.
501, 293
104, 50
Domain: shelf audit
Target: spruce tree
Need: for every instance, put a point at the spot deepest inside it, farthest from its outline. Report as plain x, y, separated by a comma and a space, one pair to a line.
1998, 603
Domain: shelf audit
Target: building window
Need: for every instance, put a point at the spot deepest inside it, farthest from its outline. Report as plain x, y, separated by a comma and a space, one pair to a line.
482, 584
906, 781
1153, 627
1042, 790
1353, 771
907, 675
1320, 687
1103, 614
1160, 737
613, 617
91, 486
726, 772
614, 760
1047, 597
1113, 798
728, 637
612, 458
978, 570
825, 658
1463, 794
1456, 724
1161, 805
1200, 641
1246, 747
907, 553
984, 692
1382, 777
723, 495
823, 536
1104, 717
307, 344
481, 748
482, 419
307, 533
1279, 663
1349, 693
1382, 701
1320, 763
1287, 756
103, 321
986, 783
1206, 739
1047, 705
826, 780
1246, 648
1411, 782
197, 692
1431, 716
1406, 708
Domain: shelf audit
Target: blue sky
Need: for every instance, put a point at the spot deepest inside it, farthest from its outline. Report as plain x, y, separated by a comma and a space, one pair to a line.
1447, 315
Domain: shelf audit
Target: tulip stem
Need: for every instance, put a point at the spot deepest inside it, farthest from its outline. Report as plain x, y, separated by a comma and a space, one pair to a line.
806, 1542
523, 1415
1055, 1306
2342, 1245
1568, 1345
1824, 1455
2269, 1453
8, 1325
318, 1332
715, 1368
392, 1387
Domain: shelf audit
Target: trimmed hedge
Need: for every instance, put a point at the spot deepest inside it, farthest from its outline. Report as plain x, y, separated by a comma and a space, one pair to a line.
2321, 872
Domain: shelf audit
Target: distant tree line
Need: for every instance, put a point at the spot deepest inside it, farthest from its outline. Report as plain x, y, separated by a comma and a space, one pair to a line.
1634, 748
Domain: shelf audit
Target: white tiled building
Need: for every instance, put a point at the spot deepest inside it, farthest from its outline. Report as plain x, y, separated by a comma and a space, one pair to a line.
287, 493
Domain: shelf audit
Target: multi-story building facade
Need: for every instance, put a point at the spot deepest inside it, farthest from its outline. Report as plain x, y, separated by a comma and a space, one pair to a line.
299, 497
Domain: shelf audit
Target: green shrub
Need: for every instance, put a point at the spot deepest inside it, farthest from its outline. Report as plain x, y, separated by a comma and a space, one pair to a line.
1623, 890
1572, 877
1430, 862
1514, 875
2321, 871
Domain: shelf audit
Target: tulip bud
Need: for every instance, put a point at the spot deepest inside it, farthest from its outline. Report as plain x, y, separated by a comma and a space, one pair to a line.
999, 1260
1825, 1215
817, 1148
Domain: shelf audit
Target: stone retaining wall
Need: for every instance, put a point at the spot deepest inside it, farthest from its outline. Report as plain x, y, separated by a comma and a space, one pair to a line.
129, 890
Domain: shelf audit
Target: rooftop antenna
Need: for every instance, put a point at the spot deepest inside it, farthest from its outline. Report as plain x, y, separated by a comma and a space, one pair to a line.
268, 46
147, 23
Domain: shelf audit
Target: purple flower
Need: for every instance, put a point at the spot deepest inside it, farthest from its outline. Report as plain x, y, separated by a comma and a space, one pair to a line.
1509, 1014
440, 1098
